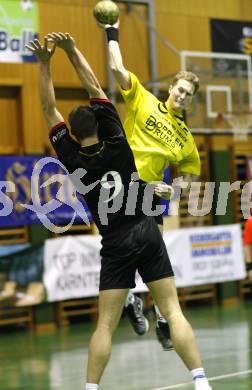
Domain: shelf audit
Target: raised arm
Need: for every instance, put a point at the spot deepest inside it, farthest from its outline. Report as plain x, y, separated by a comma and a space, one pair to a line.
121, 74
80, 64
47, 95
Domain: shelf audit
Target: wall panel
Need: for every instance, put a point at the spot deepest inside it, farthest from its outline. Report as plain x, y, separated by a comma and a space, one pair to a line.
169, 25
11, 124
226, 9
79, 22
32, 116
134, 41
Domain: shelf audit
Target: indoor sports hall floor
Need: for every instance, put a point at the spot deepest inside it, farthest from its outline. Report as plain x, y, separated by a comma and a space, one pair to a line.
57, 361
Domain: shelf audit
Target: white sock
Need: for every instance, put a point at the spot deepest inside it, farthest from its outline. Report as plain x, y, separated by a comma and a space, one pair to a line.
92, 386
130, 299
198, 373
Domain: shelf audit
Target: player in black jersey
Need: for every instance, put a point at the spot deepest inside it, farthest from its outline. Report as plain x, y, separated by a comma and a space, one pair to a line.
129, 242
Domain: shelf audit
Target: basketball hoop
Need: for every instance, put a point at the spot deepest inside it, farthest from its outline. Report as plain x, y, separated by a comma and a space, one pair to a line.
240, 123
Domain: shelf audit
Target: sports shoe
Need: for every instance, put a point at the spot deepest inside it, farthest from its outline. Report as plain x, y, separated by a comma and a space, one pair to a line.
202, 384
163, 335
137, 319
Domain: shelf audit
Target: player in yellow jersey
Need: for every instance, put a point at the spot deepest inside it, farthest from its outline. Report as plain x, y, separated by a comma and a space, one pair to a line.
158, 136
156, 131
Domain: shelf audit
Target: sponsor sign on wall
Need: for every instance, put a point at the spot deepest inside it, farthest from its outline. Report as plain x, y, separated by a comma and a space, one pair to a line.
231, 36
206, 254
18, 26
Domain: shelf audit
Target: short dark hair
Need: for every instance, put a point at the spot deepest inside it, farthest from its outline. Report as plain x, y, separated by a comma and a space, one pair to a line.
188, 76
83, 122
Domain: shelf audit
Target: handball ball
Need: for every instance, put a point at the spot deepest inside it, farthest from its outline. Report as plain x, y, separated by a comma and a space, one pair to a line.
106, 12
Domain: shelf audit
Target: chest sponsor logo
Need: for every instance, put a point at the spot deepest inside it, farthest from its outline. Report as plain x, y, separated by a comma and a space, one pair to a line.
165, 133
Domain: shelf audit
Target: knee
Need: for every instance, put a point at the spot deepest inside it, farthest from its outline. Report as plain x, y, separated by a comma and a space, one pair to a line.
172, 314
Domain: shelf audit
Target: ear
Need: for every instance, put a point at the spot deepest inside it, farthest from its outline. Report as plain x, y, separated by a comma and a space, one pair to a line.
170, 89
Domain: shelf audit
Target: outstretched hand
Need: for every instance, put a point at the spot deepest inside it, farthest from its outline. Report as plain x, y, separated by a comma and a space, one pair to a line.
163, 190
105, 26
43, 53
63, 40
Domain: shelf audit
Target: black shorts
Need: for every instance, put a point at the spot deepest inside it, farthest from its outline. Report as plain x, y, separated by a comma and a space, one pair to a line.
132, 247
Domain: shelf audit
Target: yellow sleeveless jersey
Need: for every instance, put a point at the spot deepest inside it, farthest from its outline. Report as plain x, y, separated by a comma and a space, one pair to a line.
157, 135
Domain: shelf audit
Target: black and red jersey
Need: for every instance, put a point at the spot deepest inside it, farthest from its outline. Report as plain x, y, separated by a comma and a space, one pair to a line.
108, 167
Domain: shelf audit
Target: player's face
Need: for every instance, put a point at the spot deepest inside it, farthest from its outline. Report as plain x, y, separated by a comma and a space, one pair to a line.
181, 95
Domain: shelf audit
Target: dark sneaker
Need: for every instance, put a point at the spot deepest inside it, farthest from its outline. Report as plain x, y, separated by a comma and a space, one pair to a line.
137, 319
163, 335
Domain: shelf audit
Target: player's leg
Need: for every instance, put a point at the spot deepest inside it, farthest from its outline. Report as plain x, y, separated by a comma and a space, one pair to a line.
117, 276
155, 268
134, 304
162, 327
134, 308
165, 295
111, 304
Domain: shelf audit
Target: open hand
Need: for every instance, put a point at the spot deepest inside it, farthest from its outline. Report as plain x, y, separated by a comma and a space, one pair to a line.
43, 53
105, 26
163, 190
63, 40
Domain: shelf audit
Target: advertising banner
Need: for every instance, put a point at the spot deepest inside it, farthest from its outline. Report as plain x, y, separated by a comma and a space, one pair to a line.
71, 267
206, 254
231, 36
198, 256
18, 26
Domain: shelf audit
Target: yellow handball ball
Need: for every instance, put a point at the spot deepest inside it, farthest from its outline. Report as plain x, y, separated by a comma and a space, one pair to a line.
106, 12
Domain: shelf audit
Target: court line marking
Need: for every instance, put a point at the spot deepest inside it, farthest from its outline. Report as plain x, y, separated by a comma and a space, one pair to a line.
213, 378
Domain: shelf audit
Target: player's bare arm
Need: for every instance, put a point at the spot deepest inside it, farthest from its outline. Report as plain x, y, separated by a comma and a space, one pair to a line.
164, 190
121, 74
186, 180
86, 76
47, 95
186, 177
